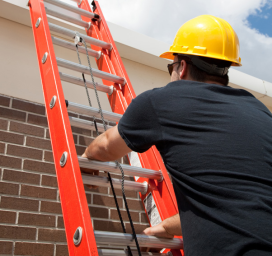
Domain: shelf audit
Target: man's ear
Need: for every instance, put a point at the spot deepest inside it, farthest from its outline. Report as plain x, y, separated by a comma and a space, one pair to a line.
183, 70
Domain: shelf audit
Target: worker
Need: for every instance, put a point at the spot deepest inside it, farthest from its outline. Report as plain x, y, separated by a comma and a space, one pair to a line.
215, 141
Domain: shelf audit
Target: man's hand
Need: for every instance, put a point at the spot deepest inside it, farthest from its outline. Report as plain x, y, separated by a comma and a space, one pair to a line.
158, 231
89, 171
166, 229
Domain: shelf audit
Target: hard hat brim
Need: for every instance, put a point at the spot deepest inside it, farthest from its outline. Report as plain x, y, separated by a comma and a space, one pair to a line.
170, 56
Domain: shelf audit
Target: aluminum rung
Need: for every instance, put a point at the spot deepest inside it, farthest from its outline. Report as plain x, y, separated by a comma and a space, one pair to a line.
89, 125
123, 239
70, 19
72, 46
71, 33
104, 182
109, 252
90, 111
84, 69
79, 81
74, 9
111, 167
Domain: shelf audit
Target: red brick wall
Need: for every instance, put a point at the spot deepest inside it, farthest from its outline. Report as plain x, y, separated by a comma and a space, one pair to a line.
31, 220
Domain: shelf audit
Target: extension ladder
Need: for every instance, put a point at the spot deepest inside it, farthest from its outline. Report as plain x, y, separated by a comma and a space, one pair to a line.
151, 178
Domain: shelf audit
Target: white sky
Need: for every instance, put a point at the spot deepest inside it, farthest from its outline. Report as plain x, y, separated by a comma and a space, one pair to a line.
161, 19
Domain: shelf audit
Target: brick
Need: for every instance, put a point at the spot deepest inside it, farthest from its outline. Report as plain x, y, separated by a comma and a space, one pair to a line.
99, 212
107, 201
9, 188
2, 148
39, 166
38, 120
7, 217
85, 141
21, 177
23, 248
12, 114
28, 106
19, 204
87, 118
75, 138
12, 162
62, 250
102, 190
38, 192
81, 131
4, 101
135, 205
138, 228
48, 156
107, 226
51, 207
38, 143
47, 134
60, 222
72, 114
3, 124
49, 181
80, 150
144, 218
11, 137
128, 193
115, 216
26, 129
6, 247
9, 232
36, 219
24, 152
52, 235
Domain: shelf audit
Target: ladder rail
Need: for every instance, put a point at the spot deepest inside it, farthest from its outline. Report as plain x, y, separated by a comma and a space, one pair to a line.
69, 178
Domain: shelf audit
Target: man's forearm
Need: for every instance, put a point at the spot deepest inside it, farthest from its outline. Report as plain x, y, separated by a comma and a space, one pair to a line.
108, 146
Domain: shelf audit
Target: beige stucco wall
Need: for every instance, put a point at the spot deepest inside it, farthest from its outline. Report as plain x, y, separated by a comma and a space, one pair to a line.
20, 73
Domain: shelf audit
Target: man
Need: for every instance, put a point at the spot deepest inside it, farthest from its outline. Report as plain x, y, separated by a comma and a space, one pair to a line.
216, 143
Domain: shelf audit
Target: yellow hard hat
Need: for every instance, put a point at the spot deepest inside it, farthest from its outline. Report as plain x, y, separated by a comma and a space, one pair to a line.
206, 36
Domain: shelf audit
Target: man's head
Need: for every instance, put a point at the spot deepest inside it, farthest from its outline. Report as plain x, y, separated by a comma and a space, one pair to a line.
204, 48
184, 68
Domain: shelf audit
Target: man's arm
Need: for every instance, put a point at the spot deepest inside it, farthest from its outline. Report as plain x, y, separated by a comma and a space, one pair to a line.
168, 228
108, 146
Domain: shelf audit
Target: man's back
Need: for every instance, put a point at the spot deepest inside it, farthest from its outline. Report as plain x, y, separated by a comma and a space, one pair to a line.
216, 143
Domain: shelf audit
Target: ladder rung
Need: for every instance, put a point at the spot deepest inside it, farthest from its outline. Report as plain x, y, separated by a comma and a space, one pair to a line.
74, 9
81, 123
71, 33
84, 69
104, 182
90, 111
79, 81
124, 239
71, 19
72, 46
110, 252
111, 167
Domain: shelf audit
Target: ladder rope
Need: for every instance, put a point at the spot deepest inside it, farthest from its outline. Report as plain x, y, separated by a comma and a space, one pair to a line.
117, 164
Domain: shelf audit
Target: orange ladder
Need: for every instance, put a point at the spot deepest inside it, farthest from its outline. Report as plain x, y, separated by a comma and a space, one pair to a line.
151, 177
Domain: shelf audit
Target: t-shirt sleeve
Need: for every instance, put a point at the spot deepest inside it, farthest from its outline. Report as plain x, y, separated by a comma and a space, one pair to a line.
139, 127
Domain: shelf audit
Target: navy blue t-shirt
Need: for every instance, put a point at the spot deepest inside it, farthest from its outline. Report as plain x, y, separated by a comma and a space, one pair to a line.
216, 142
